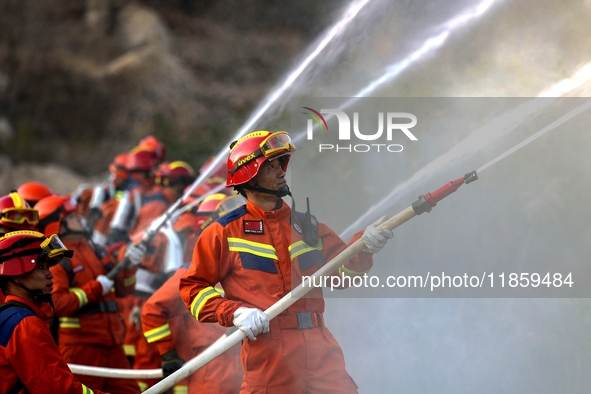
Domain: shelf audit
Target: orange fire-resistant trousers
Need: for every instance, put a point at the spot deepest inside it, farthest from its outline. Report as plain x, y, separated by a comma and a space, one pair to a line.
308, 361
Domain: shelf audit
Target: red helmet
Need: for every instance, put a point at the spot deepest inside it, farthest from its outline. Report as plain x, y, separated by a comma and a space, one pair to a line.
141, 159
251, 151
20, 251
175, 172
151, 143
118, 164
52, 210
16, 214
33, 191
215, 206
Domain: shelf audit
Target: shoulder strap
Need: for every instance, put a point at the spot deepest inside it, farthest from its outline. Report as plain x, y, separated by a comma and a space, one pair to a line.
67, 266
102, 255
11, 313
234, 215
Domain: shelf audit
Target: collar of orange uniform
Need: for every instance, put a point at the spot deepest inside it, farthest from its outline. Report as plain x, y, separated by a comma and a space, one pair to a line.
40, 313
282, 213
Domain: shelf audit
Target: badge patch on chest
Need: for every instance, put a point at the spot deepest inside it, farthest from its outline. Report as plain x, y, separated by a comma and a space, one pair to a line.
78, 268
253, 227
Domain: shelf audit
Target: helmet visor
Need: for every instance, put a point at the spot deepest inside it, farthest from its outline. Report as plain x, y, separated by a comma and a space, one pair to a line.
276, 143
53, 247
20, 216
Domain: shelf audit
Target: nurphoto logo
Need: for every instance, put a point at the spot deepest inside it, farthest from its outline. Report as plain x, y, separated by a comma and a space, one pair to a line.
396, 123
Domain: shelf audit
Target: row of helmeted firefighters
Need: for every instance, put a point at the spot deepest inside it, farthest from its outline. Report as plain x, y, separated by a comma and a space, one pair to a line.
253, 245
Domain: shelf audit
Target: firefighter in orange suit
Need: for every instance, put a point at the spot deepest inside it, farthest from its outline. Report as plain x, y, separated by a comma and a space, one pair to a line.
179, 337
30, 361
91, 330
100, 214
148, 202
171, 179
258, 254
168, 324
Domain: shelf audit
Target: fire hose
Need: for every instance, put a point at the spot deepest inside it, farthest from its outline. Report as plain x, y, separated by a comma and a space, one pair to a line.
116, 372
172, 213
121, 373
423, 204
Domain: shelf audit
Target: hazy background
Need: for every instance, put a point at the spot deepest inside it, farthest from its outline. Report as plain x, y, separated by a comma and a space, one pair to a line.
81, 81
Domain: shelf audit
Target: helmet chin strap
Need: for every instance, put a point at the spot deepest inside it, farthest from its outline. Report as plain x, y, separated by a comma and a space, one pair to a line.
281, 192
37, 294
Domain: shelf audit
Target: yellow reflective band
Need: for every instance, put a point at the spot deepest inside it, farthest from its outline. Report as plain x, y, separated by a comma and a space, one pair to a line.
129, 281
86, 390
143, 386
157, 333
118, 195
301, 247
202, 297
129, 350
69, 322
82, 298
221, 291
347, 272
256, 248
180, 390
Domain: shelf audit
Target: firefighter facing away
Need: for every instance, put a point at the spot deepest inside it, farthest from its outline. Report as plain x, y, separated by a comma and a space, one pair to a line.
258, 254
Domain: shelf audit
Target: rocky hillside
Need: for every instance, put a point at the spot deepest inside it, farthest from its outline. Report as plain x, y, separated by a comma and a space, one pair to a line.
82, 80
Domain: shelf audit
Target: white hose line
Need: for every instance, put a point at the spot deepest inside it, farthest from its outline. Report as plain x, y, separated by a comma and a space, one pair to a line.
123, 373
116, 372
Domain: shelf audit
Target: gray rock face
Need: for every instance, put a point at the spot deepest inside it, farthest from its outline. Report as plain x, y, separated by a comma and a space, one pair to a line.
81, 81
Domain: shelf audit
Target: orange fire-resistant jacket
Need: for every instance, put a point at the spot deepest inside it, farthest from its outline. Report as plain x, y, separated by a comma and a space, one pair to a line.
168, 324
154, 202
31, 355
77, 295
258, 257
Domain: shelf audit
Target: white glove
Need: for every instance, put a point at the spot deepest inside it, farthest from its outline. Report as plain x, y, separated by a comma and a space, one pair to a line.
252, 321
374, 238
135, 253
105, 282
